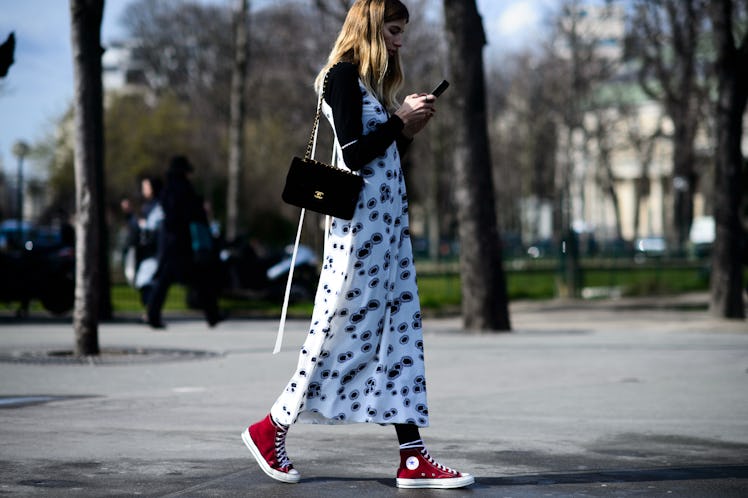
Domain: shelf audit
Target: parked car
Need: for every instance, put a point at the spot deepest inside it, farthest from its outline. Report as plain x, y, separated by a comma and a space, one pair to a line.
542, 248
701, 236
449, 248
615, 248
251, 270
37, 263
649, 247
511, 246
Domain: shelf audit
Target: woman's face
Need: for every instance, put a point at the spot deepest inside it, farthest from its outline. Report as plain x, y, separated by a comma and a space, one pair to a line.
146, 189
393, 36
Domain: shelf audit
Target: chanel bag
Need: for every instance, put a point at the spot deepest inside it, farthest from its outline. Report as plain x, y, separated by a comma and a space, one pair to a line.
322, 188
318, 186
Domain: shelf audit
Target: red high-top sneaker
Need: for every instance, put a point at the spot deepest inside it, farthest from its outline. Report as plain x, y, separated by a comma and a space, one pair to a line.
267, 442
419, 470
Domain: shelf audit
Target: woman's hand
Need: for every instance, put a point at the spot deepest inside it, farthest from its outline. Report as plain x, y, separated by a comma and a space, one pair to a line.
415, 112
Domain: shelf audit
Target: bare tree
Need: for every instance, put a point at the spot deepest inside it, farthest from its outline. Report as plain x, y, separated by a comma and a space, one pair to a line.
732, 80
665, 35
484, 295
338, 9
238, 111
180, 48
427, 163
86, 18
578, 69
525, 136
601, 133
643, 143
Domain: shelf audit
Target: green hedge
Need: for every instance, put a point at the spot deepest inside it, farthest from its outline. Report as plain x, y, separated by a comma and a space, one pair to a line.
440, 292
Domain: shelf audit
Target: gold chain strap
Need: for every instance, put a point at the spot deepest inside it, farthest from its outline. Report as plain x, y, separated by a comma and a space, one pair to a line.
309, 145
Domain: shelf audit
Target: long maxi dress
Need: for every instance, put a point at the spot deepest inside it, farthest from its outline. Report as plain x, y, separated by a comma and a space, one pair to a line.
363, 358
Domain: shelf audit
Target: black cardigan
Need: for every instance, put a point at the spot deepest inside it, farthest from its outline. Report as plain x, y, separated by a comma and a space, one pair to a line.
344, 96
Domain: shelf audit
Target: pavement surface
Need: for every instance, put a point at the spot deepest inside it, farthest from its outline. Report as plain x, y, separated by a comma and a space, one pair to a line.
643, 397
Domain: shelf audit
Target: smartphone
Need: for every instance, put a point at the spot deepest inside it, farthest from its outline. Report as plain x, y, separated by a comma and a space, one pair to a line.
440, 88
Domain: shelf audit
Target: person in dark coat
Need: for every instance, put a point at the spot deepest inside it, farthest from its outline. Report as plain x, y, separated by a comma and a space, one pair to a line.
146, 236
182, 207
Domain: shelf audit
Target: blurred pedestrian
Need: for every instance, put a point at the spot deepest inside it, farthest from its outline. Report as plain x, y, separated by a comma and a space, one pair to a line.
148, 236
140, 255
130, 235
363, 358
177, 256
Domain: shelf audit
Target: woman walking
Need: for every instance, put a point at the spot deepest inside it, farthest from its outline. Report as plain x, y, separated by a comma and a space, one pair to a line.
363, 358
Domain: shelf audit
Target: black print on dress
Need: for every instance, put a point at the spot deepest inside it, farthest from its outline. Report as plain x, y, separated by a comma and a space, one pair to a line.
363, 357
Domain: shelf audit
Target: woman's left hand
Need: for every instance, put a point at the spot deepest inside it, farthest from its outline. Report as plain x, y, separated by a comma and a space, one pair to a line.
416, 111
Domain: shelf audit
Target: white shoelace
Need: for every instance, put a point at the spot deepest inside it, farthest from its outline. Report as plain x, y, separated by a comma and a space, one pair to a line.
280, 446
418, 444
436, 464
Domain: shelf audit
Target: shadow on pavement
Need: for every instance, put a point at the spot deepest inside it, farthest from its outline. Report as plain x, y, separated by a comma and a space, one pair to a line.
628, 475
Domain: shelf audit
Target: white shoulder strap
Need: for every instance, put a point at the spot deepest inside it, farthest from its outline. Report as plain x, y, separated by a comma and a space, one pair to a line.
287, 296
282, 325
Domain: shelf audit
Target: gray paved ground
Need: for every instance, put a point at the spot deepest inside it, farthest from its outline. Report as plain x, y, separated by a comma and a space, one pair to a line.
630, 398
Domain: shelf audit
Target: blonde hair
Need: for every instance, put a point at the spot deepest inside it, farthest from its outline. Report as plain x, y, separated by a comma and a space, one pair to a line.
361, 42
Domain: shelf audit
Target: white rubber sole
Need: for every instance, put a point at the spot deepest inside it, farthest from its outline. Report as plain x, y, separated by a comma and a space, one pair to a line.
291, 477
448, 483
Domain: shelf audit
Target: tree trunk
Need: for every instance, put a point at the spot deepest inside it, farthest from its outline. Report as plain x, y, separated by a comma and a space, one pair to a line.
732, 74
86, 18
684, 176
670, 73
236, 127
643, 147
484, 295
569, 284
682, 101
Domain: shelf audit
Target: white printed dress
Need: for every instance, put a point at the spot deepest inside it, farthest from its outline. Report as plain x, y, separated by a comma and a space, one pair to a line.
362, 360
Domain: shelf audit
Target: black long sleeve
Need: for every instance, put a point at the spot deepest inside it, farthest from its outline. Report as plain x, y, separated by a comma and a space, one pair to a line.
345, 98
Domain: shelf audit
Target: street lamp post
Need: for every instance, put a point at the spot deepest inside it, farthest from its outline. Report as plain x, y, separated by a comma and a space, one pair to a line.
20, 150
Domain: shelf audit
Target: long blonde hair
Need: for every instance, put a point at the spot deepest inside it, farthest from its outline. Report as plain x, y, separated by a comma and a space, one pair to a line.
361, 42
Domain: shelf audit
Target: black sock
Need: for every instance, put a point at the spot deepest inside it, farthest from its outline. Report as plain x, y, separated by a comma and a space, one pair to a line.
407, 433
278, 424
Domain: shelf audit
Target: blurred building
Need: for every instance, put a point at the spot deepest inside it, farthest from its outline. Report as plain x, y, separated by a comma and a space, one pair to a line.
122, 70
620, 180
602, 25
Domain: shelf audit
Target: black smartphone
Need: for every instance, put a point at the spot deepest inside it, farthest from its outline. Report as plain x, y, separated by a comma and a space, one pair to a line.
440, 88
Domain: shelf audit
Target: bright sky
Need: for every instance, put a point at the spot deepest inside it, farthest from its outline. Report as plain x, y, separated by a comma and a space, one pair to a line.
39, 84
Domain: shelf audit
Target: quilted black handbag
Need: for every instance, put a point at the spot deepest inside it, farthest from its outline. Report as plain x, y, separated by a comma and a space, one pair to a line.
318, 186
